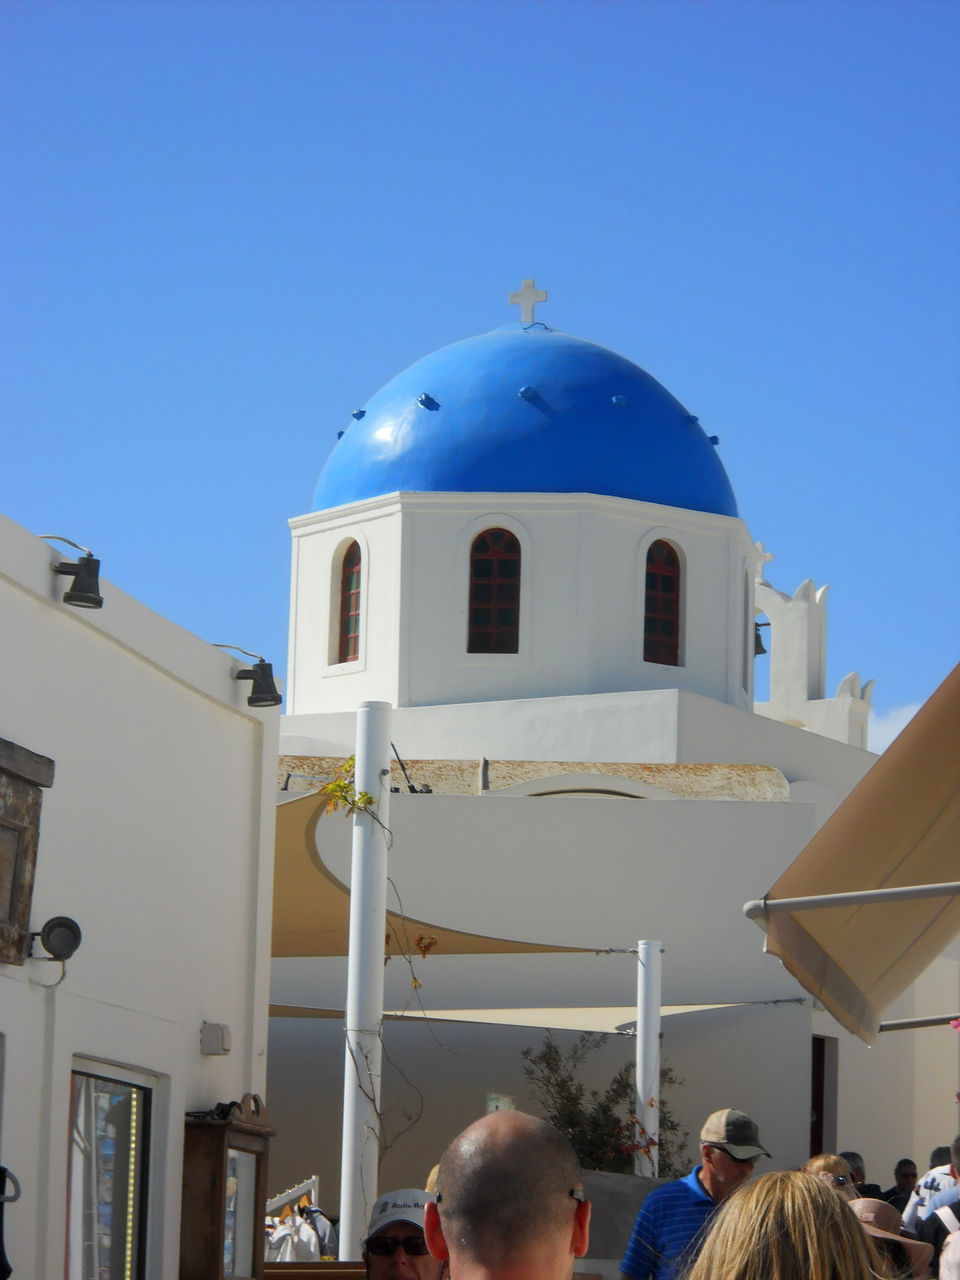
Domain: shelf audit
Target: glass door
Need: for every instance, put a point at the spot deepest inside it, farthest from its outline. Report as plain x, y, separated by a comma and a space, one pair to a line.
107, 1178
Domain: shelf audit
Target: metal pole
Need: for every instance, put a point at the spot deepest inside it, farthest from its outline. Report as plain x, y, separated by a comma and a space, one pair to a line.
364, 1004
647, 1159
760, 908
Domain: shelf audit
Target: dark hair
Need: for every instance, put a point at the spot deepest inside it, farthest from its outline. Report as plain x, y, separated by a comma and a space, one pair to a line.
955, 1152
855, 1160
939, 1156
902, 1164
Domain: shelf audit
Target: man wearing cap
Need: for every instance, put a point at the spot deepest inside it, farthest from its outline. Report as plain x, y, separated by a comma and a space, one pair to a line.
670, 1225
395, 1248
510, 1202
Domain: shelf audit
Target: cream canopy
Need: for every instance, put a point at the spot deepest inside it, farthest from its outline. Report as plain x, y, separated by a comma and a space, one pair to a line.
899, 828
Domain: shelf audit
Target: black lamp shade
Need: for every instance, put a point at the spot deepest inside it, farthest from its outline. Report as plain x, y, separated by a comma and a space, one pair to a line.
264, 692
85, 592
60, 937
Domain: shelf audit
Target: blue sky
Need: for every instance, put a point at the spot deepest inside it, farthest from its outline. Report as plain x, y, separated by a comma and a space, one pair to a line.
227, 224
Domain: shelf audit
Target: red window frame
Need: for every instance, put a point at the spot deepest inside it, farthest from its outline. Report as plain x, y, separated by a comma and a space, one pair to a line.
661, 613
494, 612
350, 604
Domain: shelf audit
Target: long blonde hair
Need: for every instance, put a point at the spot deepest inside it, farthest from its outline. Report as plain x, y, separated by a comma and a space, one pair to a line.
792, 1226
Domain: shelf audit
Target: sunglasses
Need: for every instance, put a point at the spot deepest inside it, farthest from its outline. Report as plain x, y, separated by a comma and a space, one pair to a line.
387, 1246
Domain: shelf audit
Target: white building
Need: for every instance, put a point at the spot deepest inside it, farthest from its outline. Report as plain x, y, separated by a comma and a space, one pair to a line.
531, 550
156, 837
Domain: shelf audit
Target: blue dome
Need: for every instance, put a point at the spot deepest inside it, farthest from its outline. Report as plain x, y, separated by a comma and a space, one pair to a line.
526, 409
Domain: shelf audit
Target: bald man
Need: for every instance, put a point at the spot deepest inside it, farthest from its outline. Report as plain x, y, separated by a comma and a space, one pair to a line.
510, 1202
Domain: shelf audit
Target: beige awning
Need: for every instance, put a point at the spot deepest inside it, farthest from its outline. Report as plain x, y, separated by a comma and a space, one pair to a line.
899, 827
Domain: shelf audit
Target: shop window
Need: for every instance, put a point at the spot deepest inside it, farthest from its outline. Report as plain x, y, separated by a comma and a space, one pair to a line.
494, 625
661, 616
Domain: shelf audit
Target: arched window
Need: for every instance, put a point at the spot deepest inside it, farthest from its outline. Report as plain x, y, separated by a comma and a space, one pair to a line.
494, 593
350, 604
661, 615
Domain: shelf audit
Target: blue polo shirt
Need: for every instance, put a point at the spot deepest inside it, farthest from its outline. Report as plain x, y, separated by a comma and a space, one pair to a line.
669, 1229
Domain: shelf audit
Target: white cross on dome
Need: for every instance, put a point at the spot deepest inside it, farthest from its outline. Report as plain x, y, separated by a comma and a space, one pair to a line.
527, 299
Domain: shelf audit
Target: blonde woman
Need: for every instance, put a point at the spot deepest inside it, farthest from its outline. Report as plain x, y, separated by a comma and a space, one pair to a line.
785, 1226
836, 1171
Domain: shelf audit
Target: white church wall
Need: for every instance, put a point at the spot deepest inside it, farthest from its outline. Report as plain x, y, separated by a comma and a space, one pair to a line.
157, 837
654, 727
797, 642
628, 726
581, 608
707, 731
316, 677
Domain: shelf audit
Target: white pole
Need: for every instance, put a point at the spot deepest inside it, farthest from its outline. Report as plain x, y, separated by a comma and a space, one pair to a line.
647, 1159
368, 905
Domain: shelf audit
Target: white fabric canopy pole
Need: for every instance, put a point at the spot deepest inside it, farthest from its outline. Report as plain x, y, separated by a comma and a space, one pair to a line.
647, 1159
364, 1011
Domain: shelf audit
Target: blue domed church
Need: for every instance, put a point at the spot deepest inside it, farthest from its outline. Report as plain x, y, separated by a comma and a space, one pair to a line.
530, 550
525, 514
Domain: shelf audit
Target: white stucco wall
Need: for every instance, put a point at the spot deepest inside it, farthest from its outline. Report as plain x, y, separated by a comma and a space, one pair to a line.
581, 610
442, 1072
598, 872
157, 837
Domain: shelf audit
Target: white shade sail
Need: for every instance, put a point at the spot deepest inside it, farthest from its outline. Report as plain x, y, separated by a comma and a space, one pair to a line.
608, 1019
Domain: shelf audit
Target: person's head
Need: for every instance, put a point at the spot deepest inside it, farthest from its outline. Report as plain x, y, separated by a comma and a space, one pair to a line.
788, 1225
905, 1175
509, 1197
955, 1156
395, 1248
939, 1156
855, 1160
729, 1148
902, 1257
833, 1170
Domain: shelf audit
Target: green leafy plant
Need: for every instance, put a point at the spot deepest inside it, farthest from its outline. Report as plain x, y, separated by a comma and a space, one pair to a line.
341, 790
601, 1124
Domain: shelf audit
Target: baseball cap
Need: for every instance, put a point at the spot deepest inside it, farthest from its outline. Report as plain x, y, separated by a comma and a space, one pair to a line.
399, 1206
735, 1133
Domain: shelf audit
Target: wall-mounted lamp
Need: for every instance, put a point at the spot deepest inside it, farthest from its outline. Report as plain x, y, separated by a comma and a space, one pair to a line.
60, 937
264, 692
85, 592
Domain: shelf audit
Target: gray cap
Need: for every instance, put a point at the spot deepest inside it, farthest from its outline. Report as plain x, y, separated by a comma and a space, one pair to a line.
733, 1132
